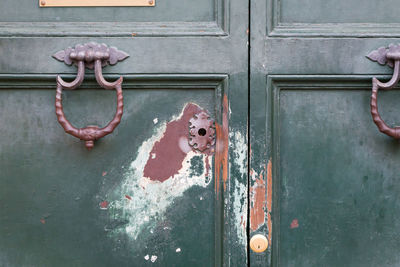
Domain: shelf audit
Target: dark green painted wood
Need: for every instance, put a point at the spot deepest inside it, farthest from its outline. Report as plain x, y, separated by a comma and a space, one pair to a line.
51, 188
333, 173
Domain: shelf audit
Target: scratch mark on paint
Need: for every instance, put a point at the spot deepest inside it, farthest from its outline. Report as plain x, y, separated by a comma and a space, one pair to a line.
104, 205
269, 200
151, 191
221, 148
294, 224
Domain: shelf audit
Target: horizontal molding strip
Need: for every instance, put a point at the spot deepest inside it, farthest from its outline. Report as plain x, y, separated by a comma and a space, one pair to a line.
110, 29
361, 30
131, 81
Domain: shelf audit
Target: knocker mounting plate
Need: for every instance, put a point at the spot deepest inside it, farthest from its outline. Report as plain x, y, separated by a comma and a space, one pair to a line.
201, 131
90, 55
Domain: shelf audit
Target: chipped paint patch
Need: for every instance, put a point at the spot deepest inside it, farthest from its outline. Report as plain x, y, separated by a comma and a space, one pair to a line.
258, 201
221, 148
269, 200
153, 258
240, 210
294, 224
178, 250
103, 205
168, 155
151, 192
155, 121
239, 148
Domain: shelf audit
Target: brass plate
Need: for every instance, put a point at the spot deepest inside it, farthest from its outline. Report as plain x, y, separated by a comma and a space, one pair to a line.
65, 3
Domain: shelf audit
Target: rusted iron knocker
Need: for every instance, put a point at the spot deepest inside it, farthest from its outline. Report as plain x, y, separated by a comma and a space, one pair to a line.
391, 57
91, 55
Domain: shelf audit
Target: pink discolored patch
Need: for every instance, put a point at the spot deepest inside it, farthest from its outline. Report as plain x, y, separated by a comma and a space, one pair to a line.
43, 221
104, 205
104, 174
171, 149
294, 224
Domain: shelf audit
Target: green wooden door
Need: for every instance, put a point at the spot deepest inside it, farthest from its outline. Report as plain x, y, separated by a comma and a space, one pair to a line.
142, 196
324, 181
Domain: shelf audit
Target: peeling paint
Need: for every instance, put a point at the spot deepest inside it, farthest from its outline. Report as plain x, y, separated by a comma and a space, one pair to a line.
168, 154
221, 148
103, 205
261, 199
294, 224
258, 201
153, 258
269, 200
240, 191
146, 182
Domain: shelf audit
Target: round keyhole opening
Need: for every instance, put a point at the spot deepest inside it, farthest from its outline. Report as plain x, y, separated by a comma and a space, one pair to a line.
202, 132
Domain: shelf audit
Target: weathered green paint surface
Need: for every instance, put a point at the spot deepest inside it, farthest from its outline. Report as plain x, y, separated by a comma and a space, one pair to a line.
61, 205
342, 208
333, 174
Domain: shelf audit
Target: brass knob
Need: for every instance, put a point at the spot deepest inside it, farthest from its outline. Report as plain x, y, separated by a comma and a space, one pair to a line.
258, 243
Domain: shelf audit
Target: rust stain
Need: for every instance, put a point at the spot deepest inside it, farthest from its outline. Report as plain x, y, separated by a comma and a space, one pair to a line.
258, 191
294, 224
167, 155
269, 199
221, 148
128, 197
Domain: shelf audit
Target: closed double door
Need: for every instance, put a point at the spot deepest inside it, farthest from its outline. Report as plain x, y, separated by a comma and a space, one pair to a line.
239, 119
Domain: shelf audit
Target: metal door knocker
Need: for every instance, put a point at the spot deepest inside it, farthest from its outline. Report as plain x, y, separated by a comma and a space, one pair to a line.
385, 56
90, 55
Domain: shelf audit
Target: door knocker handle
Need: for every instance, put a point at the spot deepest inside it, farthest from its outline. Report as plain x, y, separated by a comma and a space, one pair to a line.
90, 55
391, 57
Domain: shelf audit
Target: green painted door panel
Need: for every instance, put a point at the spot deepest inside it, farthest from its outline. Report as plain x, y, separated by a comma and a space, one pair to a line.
64, 207
142, 196
323, 179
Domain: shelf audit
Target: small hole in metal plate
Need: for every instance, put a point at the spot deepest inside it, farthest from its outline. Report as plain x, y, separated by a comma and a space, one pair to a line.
202, 132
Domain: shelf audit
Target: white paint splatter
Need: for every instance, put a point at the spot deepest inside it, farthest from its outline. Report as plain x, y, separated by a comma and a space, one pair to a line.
150, 199
147, 257
153, 258
239, 148
178, 250
155, 121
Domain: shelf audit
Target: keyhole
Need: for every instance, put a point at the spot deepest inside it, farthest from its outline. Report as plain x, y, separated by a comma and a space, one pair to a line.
202, 132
